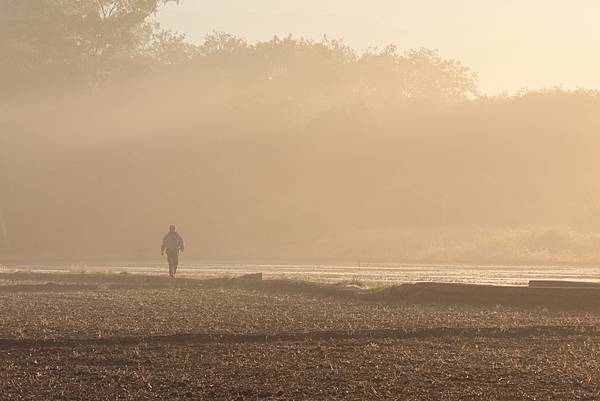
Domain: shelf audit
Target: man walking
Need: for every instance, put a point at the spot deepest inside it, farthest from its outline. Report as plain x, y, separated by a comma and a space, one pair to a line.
172, 243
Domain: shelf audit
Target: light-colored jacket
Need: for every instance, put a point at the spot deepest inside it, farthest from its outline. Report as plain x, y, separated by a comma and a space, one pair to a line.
172, 242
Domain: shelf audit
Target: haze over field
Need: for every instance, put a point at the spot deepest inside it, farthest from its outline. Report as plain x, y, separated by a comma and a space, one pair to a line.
283, 148
352, 214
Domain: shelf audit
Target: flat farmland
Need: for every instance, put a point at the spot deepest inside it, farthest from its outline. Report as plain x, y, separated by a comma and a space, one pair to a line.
229, 342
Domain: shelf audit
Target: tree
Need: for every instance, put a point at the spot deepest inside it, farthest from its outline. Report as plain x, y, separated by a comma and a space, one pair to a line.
415, 74
57, 42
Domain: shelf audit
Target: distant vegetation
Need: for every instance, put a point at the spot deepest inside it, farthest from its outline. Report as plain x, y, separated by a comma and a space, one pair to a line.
112, 128
57, 44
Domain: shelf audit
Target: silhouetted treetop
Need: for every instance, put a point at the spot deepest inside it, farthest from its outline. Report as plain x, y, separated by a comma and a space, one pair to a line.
290, 67
89, 42
51, 43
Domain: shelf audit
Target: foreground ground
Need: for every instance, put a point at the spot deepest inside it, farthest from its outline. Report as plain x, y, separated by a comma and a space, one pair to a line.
228, 342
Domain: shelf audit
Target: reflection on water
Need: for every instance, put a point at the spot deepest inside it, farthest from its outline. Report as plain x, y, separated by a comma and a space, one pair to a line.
371, 273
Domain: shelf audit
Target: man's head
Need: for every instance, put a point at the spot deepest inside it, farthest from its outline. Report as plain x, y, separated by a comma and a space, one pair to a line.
171, 228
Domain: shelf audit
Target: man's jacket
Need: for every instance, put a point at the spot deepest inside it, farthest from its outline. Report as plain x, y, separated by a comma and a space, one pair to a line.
172, 242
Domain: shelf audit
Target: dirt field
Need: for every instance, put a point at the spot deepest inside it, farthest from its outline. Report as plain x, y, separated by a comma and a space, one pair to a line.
125, 337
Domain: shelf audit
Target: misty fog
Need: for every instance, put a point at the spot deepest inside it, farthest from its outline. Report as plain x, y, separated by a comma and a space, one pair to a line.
287, 149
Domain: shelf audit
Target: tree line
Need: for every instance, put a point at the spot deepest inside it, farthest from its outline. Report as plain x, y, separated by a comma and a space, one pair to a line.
111, 127
49, 44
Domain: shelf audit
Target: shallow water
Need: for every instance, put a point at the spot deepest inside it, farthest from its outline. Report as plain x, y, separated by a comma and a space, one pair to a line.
378, 274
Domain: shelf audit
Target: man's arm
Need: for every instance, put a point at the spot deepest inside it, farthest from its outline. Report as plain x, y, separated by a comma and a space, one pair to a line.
162, 247
181, 246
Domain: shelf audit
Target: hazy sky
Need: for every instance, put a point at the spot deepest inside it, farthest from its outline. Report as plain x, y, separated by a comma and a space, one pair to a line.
511, 44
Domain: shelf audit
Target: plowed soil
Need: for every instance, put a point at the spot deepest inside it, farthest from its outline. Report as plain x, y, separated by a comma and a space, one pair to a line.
128, 340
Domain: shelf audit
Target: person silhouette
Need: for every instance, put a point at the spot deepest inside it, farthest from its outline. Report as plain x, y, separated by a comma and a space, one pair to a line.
172, 244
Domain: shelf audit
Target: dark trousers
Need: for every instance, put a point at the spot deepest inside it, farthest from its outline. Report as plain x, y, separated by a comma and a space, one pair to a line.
173, 260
